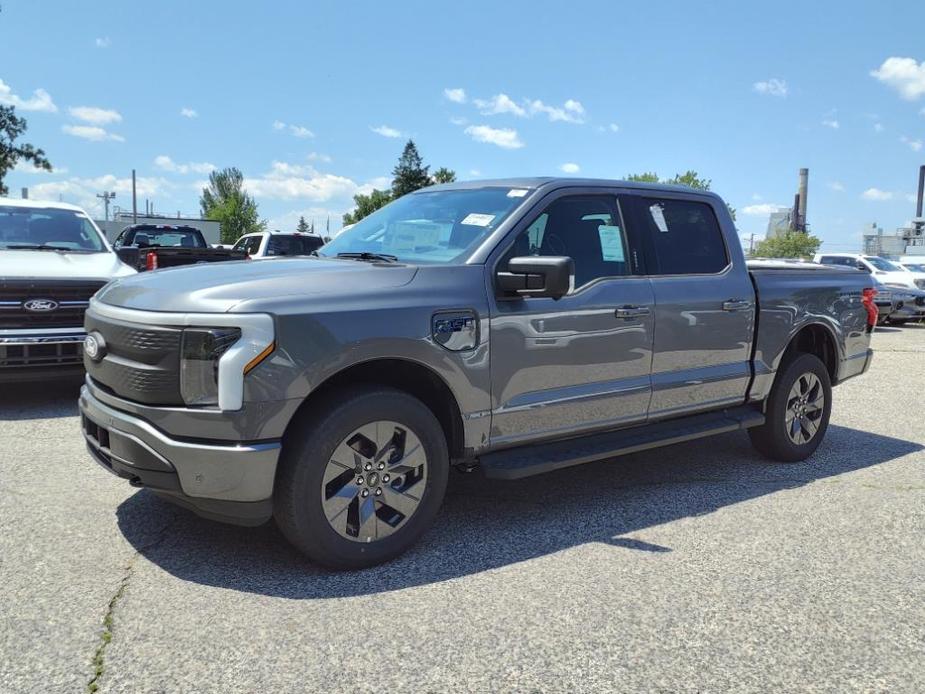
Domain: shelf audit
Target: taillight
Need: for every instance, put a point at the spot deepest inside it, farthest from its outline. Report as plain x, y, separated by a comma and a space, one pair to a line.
151, 261
867, 298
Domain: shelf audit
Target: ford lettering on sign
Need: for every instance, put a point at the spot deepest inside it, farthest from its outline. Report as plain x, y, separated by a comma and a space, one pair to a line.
40, 305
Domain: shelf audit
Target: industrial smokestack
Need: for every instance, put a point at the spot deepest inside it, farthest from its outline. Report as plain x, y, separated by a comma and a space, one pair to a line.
804, 185
918, 204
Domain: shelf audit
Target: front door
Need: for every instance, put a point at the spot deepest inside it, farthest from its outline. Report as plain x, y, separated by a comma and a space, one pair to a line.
581, 362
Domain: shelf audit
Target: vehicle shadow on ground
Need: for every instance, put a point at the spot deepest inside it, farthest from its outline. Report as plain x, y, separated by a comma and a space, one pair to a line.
45, 399
487, 524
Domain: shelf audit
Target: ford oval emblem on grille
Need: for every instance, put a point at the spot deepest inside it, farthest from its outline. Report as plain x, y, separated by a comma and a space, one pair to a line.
40, 305
94, 346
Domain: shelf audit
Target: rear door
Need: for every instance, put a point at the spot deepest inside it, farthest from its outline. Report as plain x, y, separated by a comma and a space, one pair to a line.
581, 362
704, 305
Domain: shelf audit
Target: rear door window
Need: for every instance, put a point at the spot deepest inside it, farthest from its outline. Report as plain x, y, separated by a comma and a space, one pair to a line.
250, 245
684, 236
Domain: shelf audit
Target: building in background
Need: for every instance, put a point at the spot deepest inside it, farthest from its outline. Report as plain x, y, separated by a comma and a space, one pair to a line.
779, 223
209, 227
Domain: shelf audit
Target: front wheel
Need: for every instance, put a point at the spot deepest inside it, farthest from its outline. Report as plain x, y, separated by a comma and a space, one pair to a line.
797, 412
360, 482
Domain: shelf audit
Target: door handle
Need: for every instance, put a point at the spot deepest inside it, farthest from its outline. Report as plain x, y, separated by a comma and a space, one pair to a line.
631, 311
737, 305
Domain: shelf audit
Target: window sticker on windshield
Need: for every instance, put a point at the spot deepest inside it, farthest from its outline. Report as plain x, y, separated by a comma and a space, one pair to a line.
658, 216
478, 220
409, 237
516, 192
611, 243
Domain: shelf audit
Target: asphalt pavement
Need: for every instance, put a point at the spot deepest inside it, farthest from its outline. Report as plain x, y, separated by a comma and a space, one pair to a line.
699, 567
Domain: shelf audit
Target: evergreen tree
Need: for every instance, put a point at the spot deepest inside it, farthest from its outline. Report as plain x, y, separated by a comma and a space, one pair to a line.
302, 226
410, 174
444, 175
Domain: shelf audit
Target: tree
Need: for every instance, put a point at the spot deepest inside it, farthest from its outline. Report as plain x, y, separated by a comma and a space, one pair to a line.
410, 174
11, 127
791, 244
444, 175
366, 205
226, 200
689, 178
302, 226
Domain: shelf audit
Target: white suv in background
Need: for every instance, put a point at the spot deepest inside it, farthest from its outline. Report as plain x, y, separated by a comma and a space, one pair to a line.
887, 272
916, 265
275, 244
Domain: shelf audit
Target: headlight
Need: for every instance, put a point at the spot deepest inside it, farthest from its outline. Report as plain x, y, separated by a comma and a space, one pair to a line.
199, 355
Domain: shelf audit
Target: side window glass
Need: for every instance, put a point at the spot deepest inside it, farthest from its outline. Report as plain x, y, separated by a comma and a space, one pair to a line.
685, 235
587, 229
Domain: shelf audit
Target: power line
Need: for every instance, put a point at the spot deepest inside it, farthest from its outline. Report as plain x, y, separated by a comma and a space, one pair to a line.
106, 196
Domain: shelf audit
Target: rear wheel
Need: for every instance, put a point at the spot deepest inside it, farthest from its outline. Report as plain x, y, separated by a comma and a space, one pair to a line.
359, 484
797, 412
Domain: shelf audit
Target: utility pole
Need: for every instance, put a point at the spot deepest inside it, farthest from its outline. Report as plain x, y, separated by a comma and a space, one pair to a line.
106, 196
751, 244
134, 201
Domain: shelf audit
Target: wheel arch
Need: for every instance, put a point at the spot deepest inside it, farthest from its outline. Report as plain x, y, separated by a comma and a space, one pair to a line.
816, 339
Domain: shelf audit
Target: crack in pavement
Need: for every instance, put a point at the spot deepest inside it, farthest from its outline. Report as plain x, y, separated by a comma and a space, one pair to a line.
99, 656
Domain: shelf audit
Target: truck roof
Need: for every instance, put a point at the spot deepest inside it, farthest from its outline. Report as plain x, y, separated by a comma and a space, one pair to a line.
552, 182
41, 204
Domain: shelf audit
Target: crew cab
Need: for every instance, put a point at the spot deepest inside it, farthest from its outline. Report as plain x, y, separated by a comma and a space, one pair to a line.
516, 326
53, 258
153, 246
277, 244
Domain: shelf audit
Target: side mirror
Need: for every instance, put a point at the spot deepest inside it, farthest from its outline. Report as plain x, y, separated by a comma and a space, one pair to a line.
534, 275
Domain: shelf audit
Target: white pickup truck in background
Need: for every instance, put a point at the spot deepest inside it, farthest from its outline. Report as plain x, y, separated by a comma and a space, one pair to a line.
53, 258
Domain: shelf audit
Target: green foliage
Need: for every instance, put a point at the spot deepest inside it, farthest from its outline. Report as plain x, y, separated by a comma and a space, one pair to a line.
792, 244
689, 178
302, 226
366, 205
444, 175
11, 127
409, 174
226, 200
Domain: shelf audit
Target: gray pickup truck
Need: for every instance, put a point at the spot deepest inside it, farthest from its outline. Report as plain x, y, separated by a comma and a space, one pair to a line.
518, 326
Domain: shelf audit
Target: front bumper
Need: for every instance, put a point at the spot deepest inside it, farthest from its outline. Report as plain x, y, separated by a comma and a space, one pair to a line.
27, 355
231, 483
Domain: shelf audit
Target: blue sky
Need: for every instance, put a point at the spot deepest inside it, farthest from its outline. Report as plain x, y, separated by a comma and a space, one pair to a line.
314, 101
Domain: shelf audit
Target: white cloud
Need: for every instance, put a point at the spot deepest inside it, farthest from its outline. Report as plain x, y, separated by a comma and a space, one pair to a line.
189, 112
385, 131
91, 132
287, 181
318, 156
39, 101
475, 172
319, 215
506, 138
458, 120
836, 186
772, 87
82, 191
570, 112
165, 163
457, 95
761, 209
95, 115
905, 75
499, 103
914, 145
27, 168
103, 42
294, 130
614, 128
878, 127
570, 167
831, 123
876, 194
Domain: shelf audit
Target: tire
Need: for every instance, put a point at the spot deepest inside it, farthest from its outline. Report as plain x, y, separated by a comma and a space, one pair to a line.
312, 481
898, 321
783, 435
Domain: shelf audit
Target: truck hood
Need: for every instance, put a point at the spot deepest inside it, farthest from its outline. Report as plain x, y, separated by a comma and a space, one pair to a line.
219, 287
61, 265
901, 277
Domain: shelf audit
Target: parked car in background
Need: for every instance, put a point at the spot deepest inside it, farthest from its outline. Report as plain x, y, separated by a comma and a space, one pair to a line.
522, 325
53, 258
154, 246
274, 244
908, 306
916, 265
885, 271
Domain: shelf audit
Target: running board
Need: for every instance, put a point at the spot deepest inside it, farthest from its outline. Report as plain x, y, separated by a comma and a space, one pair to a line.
514, 463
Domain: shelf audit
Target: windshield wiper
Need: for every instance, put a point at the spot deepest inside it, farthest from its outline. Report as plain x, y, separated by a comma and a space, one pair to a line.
366, 255
40, 247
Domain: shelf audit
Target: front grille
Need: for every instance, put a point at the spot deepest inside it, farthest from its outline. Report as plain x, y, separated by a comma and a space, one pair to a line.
40, 355
141, 364
920, 284
70, 297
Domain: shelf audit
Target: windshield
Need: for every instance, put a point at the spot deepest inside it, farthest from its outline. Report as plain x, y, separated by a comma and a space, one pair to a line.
165, 237
442, 226
880, 263
914, 267
30, 228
